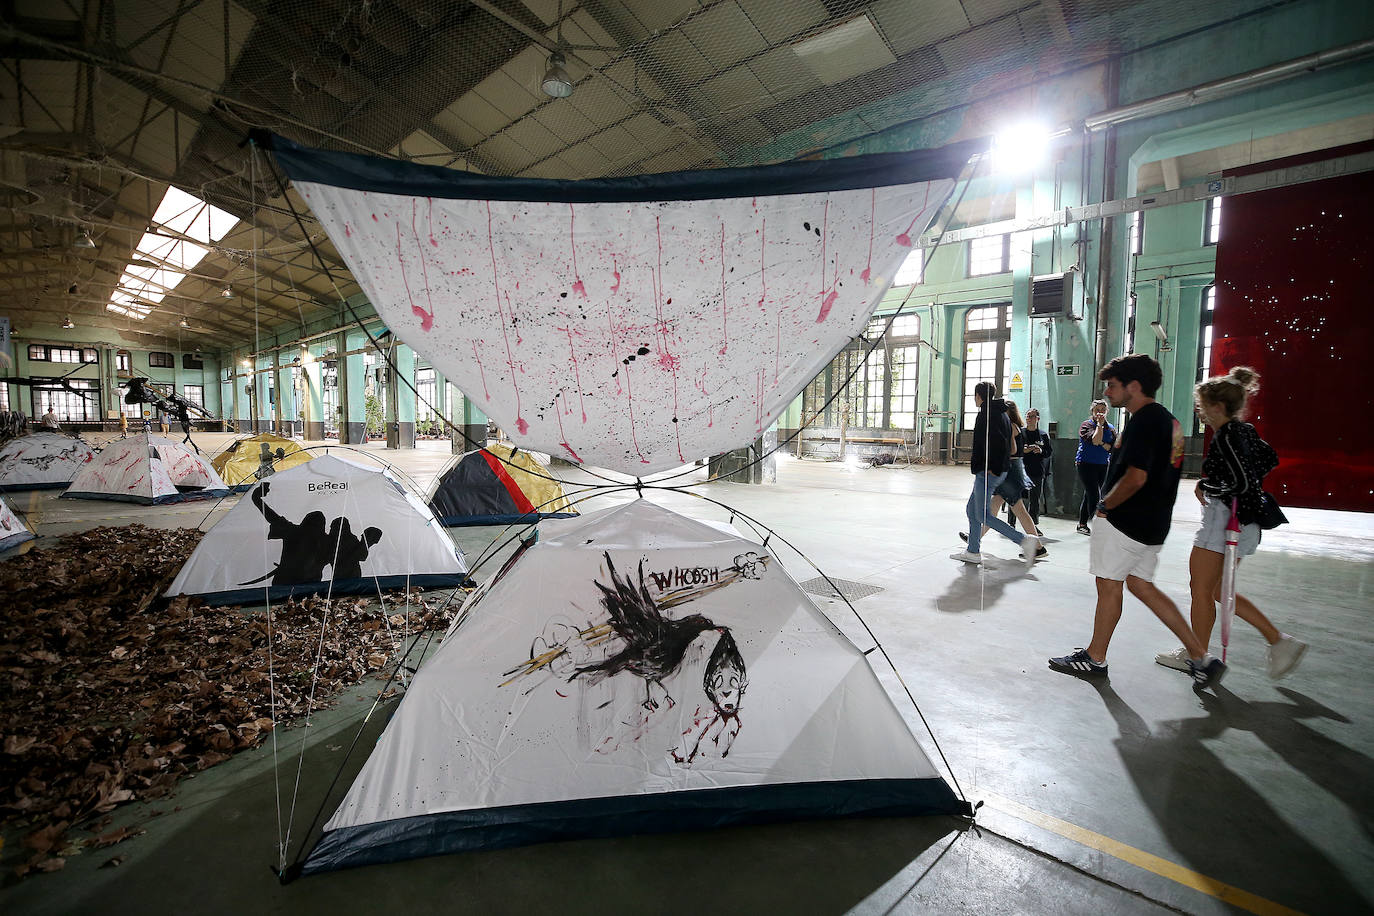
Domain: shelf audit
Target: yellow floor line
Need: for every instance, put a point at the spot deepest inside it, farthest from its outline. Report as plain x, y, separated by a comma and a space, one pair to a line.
1141, 859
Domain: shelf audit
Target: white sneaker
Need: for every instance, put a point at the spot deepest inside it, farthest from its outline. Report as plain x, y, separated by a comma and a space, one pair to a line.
1284, 656
1177, 659
967, 556
1031, 548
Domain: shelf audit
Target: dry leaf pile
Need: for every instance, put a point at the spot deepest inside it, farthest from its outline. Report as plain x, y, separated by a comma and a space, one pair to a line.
106, 697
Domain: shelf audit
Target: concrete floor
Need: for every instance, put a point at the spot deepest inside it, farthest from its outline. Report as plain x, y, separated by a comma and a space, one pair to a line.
1125, 795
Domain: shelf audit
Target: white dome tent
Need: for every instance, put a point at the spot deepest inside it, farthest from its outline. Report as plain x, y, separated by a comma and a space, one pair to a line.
42, 460
146, 469
633, 671
328, 526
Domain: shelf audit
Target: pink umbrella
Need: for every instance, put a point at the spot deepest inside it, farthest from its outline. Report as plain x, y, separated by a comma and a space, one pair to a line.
1228, 578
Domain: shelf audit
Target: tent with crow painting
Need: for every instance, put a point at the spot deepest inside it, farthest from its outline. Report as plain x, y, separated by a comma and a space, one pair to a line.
497, 485
147, 469
329, 526
633, 671
42, 460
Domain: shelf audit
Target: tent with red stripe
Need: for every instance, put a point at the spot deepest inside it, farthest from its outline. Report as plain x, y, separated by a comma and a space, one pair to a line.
498, 485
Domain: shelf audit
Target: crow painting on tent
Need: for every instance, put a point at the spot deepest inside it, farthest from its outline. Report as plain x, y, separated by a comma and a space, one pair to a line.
631, 669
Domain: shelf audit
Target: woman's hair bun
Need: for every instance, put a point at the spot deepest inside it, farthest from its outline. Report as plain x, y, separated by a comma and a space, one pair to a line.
1246, 377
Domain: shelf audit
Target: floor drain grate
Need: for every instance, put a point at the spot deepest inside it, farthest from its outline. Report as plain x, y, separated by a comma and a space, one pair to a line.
850, 590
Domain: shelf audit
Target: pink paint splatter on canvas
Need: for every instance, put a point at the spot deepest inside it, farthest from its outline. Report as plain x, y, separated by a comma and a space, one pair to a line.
577, 374
477, 359
827, 300
615, 269
432, 240
763, 261
905, 238
577, 286
564, 436
724, 313
520, 422
872, 212
426, 318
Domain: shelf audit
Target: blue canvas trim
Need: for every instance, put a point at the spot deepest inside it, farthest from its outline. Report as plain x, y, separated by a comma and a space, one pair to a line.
390, 176
218, 493
9, 487
14, 540
368, 585
664, 812
460, 521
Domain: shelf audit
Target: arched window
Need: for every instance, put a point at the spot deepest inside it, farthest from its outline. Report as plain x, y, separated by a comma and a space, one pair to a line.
987, 353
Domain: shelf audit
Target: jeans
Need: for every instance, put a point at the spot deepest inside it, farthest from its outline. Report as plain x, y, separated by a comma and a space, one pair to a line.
984, 484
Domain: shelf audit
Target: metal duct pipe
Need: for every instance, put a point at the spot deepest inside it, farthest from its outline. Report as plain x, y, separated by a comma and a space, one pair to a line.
1217, 89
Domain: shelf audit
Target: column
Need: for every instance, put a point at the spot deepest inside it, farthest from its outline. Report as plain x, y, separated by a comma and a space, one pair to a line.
313, 373
400, 409
352, 393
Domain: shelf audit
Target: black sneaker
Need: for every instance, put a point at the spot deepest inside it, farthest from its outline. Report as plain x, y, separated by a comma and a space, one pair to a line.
963, 536
1079, 663
1207, 673
1084, 529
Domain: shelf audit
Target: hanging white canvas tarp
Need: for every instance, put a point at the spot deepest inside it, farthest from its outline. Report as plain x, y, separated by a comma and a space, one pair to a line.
147, 469
327, 526
13, 530
633, 671
41, 460
634, 324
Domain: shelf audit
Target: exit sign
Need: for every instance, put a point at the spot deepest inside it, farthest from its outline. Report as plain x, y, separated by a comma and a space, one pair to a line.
1066, 370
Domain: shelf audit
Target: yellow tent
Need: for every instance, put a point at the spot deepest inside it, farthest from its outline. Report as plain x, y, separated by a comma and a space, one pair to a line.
238, 464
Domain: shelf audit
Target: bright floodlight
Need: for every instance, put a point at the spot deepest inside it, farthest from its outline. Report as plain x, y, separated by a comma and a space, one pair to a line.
1021, 147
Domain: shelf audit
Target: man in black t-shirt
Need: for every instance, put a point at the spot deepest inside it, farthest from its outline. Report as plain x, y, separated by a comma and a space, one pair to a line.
1141, 485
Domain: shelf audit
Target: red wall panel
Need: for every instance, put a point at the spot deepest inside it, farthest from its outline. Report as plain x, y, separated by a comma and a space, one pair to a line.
1295, 300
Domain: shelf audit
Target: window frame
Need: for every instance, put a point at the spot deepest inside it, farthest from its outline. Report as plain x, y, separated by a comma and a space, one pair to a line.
1206, 319
171, 362
1000, 335
1212, 216
1004, 263
880, 388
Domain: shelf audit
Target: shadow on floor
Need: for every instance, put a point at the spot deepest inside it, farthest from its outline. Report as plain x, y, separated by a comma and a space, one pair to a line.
1219, 824
973, 589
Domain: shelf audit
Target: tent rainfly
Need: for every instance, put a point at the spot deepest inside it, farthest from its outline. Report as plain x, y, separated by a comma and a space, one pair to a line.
147, 469
242, 463
13, 531
42, 460
634, 671
497, 485
328, 526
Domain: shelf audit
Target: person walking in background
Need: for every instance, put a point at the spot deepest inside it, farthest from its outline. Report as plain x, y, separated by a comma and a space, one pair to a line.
1133, 520
1096, 437
989, 464
1038, 451
1012, 490
1233, 468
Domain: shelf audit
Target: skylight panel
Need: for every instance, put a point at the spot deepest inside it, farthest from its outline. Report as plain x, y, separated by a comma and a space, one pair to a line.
179, 223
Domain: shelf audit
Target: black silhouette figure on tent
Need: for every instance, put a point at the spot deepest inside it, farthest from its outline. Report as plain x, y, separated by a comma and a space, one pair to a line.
655, 645
307, 547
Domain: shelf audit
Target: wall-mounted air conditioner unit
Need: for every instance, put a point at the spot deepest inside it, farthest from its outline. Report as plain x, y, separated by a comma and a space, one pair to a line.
1052, 295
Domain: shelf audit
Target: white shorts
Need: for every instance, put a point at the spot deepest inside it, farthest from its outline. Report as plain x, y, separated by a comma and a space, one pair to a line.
1212, 535
1115, 556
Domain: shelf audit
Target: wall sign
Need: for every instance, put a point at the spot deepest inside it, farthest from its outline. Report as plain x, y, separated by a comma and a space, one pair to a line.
1066, 370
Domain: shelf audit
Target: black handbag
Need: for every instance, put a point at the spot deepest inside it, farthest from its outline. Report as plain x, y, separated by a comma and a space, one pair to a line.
1270, 514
